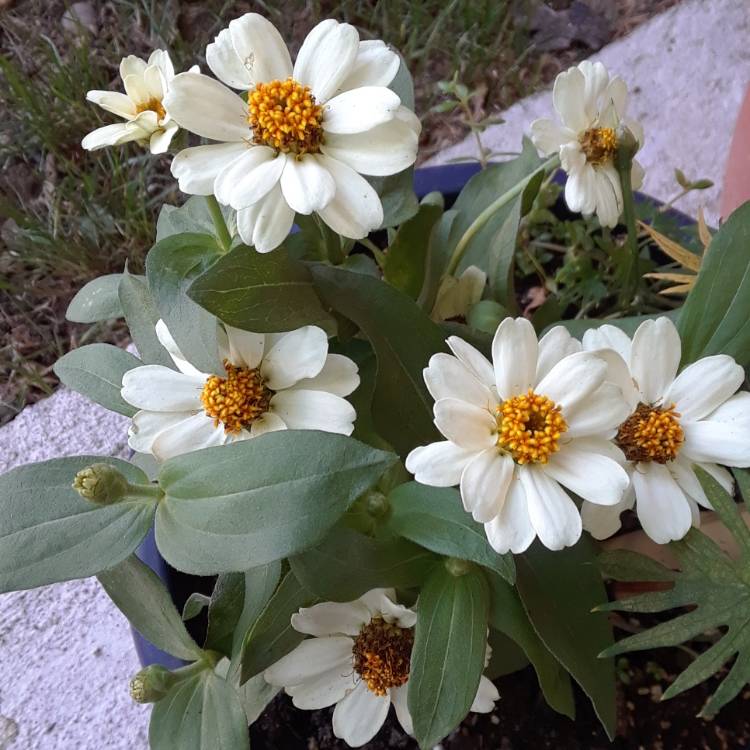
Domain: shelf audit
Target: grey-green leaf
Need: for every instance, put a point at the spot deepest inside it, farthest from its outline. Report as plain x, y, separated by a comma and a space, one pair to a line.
142, 597
435, 518
96, 371
49, 533
96, 301
237, 506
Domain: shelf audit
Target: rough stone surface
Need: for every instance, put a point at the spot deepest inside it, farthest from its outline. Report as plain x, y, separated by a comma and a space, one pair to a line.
65, 651
687, 70
66, 654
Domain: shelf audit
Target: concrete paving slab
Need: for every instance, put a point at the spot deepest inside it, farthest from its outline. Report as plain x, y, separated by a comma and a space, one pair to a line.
687, 70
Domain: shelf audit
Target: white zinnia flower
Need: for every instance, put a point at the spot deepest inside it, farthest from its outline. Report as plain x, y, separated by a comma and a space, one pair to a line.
519, 430
676, 422
590, 106
458, 294
273, 381
141, 106
305, 135
359, 659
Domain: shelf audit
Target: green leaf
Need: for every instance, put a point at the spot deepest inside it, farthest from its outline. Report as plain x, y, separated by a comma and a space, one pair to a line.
348, 564
407, 254
403, 338
558, 590
141, 316
507, 656
171, 266
435, 518
49, 533
224, 610
629, 325
203, 712
194, 605
397, 196
438, 254
715, 318
192, 217
96, 371
261, 292
142, 597
273, 636
96, 301
715, 587
237, 506
450, 643
509, 617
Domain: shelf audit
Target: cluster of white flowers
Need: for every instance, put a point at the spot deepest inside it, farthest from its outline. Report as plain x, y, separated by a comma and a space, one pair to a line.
608, 420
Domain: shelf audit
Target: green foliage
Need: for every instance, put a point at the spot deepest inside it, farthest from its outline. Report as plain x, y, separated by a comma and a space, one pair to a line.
96, 301
193, 217
51, 534
261, 292
96, 371
224, 612
434, 517
715, 588
450, 642
238, 506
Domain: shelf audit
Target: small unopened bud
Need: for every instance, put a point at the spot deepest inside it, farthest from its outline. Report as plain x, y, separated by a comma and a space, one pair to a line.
151, 684
627, 146
101, 484
376, 503
457, 567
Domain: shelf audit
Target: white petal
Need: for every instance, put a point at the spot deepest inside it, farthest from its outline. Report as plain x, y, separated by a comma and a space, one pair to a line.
384, 150
380, 603
400, 703
704, 386
580, 187
245, 347
514, 354
359, 716
572, 380
114, 102
147, 425
311, 658
553, 514
600, 413
724, 437
485, 483
511, 529
662, 507
464, 424
307, 185
487, 694
136, 88
314, 410
655, 357
556, 344
360, 110
196, 168
602, 521
293, 356
548, 136
261, 48
608, 195
473, 359
682, 471
339, 376
109, 135
160, 139
166, 340
438, 464
226, 64
195, 433
596, 79
267, 422
325, 689
568, 96
608, 337
161, 59
447, 377
590, 475
326, 57
331, 618
154, 82
159, 388
355, 210
267, 223
618, 373
131, 65
206, 107
250, 177
720, 474
374, 65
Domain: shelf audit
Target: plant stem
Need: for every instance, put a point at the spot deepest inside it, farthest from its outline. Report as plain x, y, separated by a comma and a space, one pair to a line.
145, 491
489, 212
220, 225
624, 163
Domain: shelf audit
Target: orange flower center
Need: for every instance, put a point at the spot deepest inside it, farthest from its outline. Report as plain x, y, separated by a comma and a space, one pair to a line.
529, 428
382, 655
284, 116
599, 145
152, 105
236, 400
651, 434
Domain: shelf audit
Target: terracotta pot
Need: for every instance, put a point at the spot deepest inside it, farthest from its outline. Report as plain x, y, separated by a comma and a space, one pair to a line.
736, 188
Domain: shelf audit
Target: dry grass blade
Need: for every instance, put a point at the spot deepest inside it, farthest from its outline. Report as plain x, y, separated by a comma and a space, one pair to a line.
673, 249
703, 233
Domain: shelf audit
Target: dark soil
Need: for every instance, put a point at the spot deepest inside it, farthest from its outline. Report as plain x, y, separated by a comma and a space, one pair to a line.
523, 721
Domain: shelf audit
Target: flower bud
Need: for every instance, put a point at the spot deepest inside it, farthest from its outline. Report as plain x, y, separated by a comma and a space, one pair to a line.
627, 146
457, 567
151, 684
102, 484
376, 503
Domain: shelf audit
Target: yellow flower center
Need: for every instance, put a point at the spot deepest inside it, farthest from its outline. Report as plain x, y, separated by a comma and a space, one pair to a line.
152, 105
529, 428
599, 145
382, 655
651, 434
236, 400
284, 116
